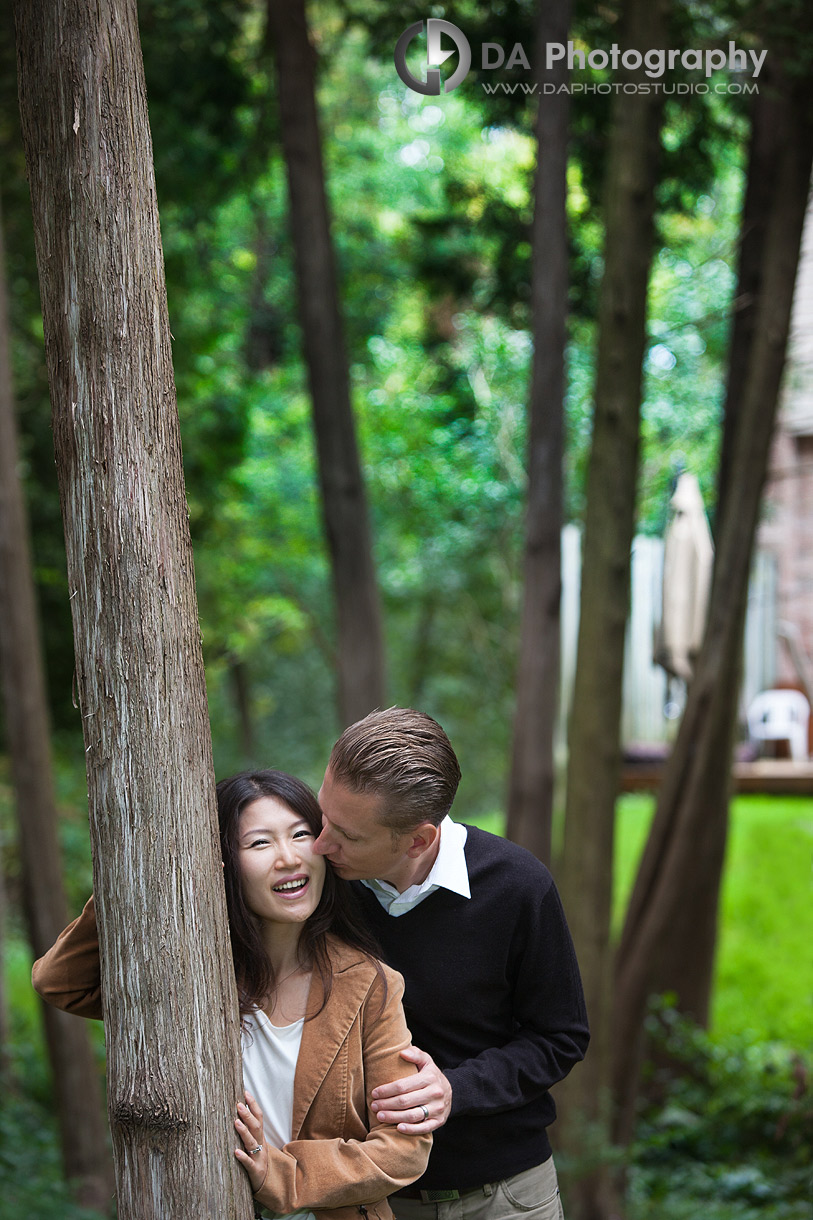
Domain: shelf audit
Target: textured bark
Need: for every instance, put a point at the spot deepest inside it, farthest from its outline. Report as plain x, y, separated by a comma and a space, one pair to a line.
530, 794
669, 936
594, 739
77, 1091
344, 507
168, 989
763, 165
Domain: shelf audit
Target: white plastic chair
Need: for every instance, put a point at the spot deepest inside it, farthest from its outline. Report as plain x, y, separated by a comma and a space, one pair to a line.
781, 715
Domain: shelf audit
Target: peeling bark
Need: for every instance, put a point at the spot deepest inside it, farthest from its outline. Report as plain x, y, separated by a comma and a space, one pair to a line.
168, 988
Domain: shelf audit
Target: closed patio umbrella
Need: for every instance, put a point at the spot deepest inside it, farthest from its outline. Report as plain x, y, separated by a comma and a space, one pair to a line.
688, 558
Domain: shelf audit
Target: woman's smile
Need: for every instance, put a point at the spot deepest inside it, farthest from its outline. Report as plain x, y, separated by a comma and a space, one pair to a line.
292, 888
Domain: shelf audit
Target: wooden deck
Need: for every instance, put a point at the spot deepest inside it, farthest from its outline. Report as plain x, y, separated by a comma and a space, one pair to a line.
767, 775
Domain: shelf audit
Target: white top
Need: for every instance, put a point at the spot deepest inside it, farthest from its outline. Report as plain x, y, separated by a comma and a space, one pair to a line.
270, 1053
449, 872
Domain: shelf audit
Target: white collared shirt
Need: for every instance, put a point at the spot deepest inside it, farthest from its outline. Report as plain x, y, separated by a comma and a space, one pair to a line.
449, 872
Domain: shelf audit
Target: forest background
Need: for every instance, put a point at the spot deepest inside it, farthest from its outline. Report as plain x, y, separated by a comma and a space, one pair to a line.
432, 202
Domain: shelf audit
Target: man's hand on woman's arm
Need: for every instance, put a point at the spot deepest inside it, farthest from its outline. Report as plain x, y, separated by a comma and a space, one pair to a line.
416, 1104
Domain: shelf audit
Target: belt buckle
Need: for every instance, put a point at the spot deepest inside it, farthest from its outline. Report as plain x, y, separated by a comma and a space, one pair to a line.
439, 1196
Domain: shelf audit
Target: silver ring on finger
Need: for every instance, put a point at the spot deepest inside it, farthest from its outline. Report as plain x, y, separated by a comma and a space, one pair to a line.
254, 1151
425, 1113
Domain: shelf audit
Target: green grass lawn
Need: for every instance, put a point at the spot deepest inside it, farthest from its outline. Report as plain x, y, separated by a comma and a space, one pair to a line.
764, 978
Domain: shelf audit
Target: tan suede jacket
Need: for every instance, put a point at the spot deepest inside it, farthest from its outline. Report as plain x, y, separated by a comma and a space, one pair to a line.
341, 1161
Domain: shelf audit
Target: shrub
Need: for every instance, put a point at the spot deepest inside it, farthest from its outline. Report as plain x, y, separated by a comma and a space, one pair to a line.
730, 1133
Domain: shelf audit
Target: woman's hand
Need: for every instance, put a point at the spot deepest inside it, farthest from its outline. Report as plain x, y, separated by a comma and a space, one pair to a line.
253, 1155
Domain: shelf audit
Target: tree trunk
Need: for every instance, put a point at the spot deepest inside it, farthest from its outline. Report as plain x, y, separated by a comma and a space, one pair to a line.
344, 506
594, 740
670, 930
82, 1128
530, 794
168, 988
422, 650
241, 690
5, 1029
763, 165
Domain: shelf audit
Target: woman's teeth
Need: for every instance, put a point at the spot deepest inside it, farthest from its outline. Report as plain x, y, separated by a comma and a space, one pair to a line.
290, 885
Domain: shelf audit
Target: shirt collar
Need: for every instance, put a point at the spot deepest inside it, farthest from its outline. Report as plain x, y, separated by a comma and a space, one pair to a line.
449, 872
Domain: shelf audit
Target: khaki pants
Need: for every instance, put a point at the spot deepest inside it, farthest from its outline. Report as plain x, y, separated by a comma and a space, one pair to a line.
532, 1194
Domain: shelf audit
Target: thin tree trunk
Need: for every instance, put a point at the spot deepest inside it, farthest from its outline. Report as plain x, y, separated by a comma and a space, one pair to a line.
594, 740
344, 506
5, 1029
421, 659
669, 935
763, 165
530, 793
241, 688
82, 1128
168, 988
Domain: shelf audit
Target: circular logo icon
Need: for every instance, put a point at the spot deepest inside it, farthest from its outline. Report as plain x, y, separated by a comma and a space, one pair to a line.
434, 84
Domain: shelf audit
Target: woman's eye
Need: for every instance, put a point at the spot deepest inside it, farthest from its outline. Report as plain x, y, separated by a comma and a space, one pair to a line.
258, 843
307, 833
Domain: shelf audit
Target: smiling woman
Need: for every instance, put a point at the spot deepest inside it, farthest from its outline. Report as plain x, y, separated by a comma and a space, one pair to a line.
305, 977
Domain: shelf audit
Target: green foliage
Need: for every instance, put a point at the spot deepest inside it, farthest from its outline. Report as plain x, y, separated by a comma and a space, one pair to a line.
197, 82
729, 1135
74, 834
31, 1184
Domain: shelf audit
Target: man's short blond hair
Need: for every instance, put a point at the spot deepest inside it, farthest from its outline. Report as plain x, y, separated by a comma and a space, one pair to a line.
406, 759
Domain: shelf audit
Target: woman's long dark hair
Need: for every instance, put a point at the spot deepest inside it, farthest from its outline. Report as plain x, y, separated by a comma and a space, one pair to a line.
336, 912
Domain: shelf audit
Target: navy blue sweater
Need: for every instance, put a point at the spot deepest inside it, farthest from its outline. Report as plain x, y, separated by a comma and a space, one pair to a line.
493, 994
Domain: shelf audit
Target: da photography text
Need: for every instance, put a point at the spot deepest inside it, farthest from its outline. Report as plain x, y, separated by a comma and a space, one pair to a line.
493, 55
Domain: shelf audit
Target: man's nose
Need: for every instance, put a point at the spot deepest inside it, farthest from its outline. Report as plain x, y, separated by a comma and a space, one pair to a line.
322, 844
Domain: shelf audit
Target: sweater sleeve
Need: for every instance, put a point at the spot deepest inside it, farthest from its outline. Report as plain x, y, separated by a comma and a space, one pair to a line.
550, 1019
68, 976
327, 1173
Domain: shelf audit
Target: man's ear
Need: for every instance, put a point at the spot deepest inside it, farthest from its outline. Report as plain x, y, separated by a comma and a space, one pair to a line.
423, 838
